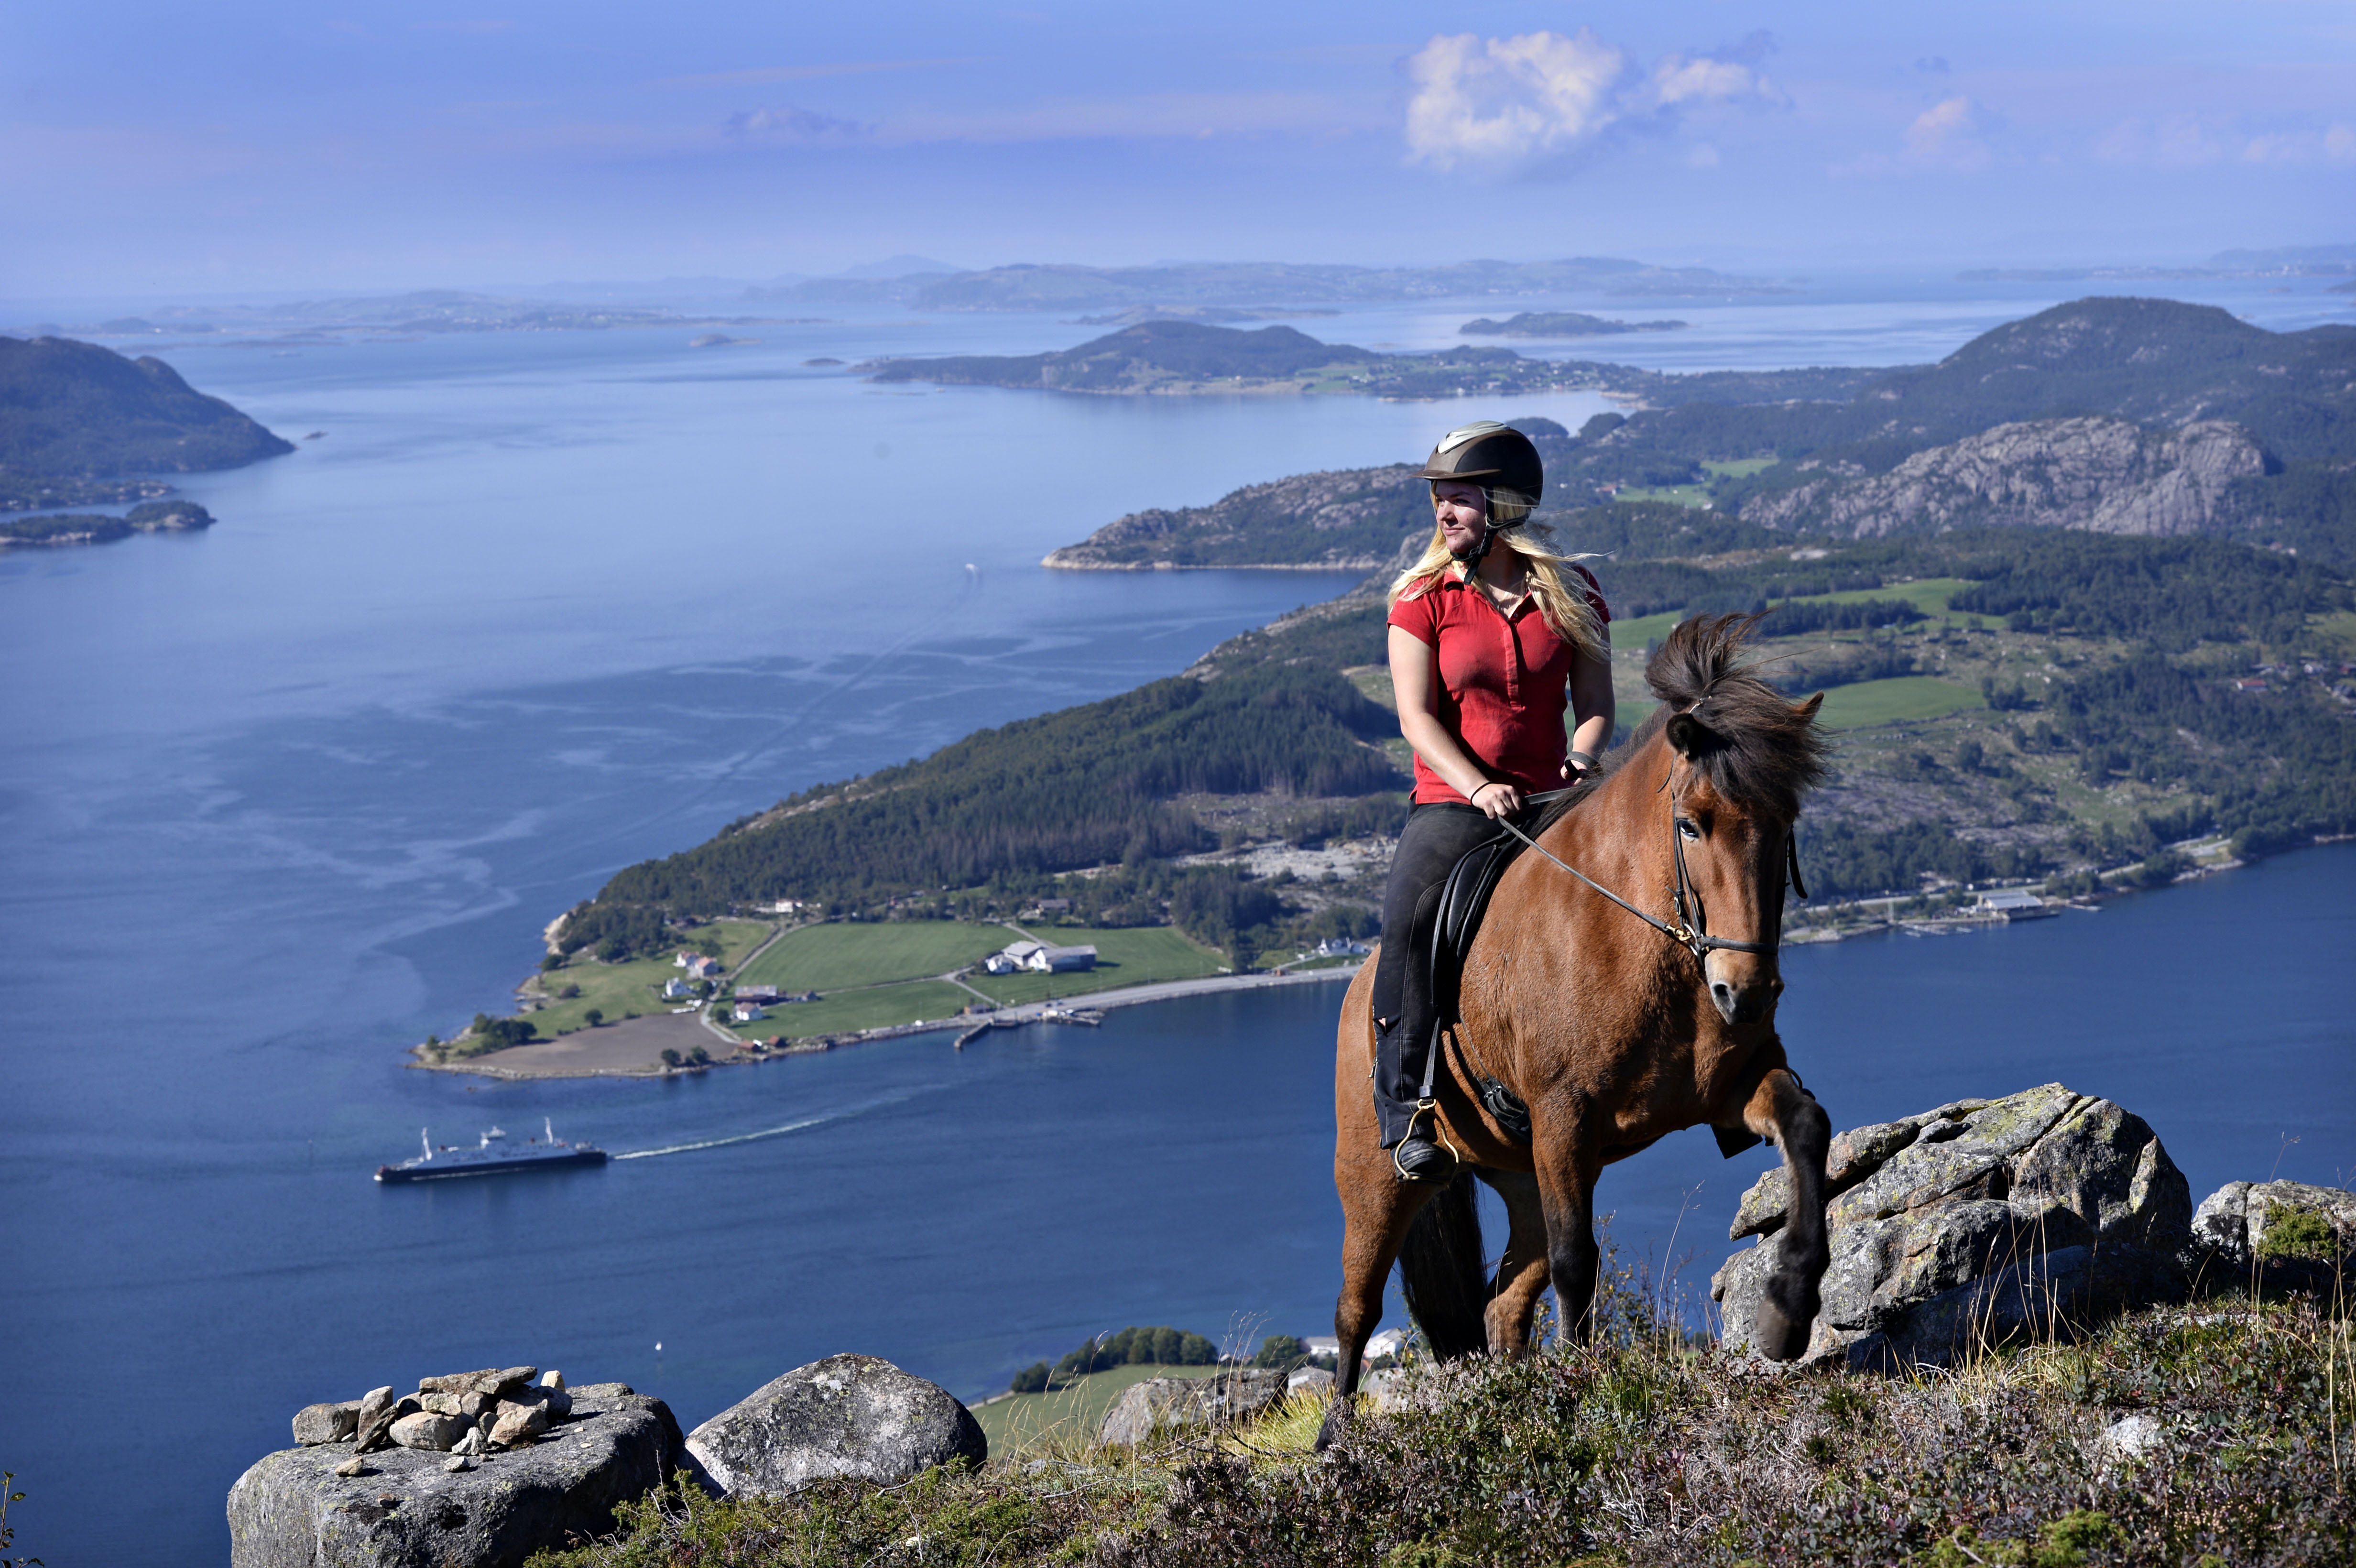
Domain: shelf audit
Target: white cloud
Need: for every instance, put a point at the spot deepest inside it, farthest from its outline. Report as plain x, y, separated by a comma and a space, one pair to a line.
2178, 142
1949, 135
2334, 145
792, 125
1946, 135
1507, 102
1681, 79
1501, 100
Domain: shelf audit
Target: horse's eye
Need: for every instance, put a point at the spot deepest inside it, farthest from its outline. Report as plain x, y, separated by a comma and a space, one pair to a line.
1686, 826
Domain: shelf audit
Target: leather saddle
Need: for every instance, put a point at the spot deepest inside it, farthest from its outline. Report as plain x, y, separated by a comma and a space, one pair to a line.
1455, 920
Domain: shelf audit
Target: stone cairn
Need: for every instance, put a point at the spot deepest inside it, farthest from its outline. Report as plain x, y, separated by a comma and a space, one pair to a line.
464, 1414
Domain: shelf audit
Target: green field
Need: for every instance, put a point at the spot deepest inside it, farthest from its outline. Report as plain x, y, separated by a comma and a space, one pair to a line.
1929, 595
1700, 494
875, 1007
625, 990
1669, 494
1077, 1410
1129, 955
1872, 702
840, 954
738, 939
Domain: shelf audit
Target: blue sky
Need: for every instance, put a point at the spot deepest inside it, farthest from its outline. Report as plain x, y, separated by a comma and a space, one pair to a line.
237, 146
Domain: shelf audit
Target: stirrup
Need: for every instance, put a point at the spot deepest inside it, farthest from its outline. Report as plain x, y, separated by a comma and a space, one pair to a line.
1432, 1143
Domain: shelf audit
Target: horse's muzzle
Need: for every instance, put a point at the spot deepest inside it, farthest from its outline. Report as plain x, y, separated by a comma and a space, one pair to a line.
1747, 1004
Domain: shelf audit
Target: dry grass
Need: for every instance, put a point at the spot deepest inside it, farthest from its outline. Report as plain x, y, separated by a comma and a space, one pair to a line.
1648, 1447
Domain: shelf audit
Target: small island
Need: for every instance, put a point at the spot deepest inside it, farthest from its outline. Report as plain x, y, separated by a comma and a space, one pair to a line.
83, 426
1559, 324
150, 517
1165, 358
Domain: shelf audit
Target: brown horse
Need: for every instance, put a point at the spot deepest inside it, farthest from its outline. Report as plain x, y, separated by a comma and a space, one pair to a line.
1614, 1025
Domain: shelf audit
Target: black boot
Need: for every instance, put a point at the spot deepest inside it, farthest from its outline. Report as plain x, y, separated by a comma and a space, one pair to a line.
1419, 1158
1408, 1121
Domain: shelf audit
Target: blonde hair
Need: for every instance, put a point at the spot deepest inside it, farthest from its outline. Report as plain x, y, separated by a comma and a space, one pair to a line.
1566, 608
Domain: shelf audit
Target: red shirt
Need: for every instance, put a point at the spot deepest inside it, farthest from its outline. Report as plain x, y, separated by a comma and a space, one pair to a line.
1504, 682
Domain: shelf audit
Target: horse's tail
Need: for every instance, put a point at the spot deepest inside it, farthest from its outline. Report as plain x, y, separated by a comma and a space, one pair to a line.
1441, 1271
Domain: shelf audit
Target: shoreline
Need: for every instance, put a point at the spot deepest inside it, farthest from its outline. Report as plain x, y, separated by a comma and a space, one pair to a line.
569, 1056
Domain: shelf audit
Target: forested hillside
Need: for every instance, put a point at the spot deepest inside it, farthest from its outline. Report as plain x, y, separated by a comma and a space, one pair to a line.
2012, 703
74, 409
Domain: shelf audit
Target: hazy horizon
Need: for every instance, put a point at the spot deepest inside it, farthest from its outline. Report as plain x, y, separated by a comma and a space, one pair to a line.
161, 152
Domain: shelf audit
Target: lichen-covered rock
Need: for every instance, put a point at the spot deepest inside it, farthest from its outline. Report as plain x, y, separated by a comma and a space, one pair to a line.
493, 1381
2272, 1236
376, 1433
1973, 1223
846, 1415
1165, 1403
316, 1423
373, 1405
429, 1432
294, 1509
519, 1422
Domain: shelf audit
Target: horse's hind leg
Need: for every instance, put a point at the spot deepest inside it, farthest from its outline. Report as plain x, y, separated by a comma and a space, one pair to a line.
1780, 1109
1522, 1272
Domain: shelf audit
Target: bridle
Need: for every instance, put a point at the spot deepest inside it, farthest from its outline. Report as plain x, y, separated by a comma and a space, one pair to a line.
1691, 931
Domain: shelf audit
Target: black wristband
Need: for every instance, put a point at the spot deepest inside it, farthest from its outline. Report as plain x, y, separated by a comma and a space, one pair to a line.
1585, 760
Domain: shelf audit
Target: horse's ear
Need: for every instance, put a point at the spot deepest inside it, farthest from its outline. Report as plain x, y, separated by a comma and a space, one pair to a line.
1807, 710
1685, 734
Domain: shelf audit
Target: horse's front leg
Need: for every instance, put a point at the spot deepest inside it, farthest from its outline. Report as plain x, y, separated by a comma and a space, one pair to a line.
1781, 1109
1569, 1161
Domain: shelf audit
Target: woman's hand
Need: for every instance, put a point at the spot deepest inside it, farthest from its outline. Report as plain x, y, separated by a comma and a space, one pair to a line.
1499, 800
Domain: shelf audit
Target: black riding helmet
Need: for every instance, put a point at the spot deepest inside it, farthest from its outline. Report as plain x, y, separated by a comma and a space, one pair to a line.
1498, 458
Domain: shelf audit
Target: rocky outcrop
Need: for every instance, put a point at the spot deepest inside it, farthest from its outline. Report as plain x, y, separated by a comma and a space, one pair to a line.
847, 1415
2273, 1236
1167, 1404
1351, 518
2104, 475
410, 1504
1973, 1223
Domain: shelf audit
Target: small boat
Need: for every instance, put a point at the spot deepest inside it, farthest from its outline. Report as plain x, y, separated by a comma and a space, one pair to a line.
493, 1156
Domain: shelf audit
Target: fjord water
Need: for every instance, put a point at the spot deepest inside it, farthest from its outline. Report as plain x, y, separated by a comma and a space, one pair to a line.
279, 799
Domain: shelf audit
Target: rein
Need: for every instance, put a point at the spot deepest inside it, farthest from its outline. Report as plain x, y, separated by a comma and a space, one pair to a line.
1691, 931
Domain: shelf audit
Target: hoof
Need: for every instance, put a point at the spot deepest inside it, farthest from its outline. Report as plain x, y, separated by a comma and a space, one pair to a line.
1780, 1331
1337, 1422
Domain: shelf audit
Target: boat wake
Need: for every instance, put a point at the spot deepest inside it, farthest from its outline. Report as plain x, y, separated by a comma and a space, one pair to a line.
803, 1125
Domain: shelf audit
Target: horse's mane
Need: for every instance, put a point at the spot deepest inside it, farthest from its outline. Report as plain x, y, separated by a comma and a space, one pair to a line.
1755, 745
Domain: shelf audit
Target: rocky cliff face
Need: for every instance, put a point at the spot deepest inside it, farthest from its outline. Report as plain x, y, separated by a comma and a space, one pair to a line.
2105, 476
1351, 519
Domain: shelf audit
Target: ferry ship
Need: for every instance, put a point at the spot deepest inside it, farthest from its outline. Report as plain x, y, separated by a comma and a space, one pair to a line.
494, 1156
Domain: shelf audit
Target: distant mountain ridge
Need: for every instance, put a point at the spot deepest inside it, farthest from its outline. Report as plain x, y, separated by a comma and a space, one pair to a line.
77, 410
1169, 357
2116, 415
1071, 287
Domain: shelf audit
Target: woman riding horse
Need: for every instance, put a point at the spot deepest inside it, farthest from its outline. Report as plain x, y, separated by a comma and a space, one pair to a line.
1622, 985
1485, 635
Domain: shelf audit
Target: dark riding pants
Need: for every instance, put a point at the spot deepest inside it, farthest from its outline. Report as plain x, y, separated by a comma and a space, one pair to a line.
1437, 836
